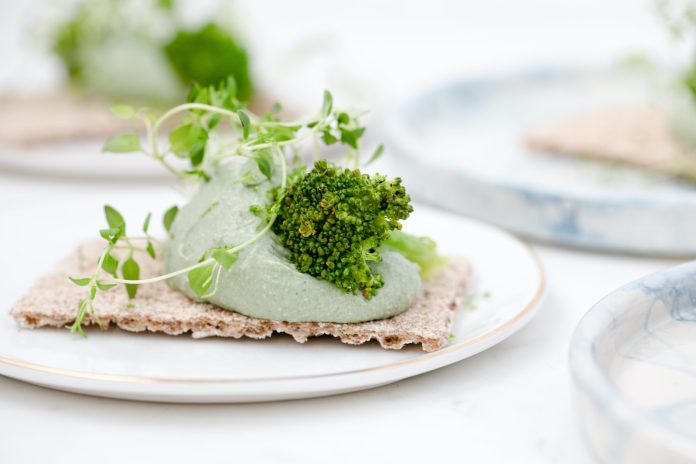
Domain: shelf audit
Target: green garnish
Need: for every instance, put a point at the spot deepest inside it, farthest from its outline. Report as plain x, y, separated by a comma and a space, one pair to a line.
420, 250
207, 55
680, 19
333, 221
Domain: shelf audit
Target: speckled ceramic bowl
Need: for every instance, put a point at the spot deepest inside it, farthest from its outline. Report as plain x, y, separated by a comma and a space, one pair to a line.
633, 362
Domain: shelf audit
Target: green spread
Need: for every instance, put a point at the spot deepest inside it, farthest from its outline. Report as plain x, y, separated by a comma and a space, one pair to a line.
263, 283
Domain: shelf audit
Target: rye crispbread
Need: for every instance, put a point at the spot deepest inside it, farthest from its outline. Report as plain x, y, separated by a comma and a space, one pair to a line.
53, 299
636, 135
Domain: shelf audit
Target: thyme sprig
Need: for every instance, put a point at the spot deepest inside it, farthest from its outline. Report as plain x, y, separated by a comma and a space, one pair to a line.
193, 150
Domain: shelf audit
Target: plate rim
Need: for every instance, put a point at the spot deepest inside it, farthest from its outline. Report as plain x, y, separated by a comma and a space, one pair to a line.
660, 205
396, 131
512, 324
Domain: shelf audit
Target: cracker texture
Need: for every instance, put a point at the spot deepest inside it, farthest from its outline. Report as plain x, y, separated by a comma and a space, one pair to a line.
53, 299
636, 135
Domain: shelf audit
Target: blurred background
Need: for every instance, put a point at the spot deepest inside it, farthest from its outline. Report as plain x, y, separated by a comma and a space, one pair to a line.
368, 53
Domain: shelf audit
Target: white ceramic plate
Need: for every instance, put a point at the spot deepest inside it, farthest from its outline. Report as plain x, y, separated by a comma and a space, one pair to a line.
633, 360
467, 135
80, 160
179, 369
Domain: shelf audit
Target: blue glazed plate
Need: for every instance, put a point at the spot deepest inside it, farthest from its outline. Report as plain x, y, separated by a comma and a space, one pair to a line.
633, 362
460, 147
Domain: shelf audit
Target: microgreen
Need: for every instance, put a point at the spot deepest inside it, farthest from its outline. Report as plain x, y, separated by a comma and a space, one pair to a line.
128, 142
169, 217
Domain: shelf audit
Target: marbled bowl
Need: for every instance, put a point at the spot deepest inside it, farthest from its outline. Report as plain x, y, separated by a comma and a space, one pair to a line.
633, 363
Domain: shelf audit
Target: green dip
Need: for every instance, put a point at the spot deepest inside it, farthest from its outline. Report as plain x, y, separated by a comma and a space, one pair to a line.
263, 283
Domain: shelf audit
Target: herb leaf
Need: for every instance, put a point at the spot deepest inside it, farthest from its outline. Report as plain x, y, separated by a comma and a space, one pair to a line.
169, 217
327, 105
102, 286
376, 155
146, 224
112, 234
123, 111
151, 250
263, 161
114, 218
201, 279
246, 123
127, 142
131, 271
81, 281
225, 258
110, 264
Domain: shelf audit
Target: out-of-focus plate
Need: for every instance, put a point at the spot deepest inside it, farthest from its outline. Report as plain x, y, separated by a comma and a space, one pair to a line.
179, 369
80, 160
633, 360
459, 147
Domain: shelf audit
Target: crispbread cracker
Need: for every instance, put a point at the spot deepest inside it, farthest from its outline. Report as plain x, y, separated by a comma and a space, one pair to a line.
53, 300
635, 135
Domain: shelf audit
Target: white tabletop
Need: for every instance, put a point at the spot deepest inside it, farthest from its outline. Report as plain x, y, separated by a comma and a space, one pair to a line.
509, 404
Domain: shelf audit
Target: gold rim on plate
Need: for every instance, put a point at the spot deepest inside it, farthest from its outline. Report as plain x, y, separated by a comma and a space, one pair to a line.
526, 311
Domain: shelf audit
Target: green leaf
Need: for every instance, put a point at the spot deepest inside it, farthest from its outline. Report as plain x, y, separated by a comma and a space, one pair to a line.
282, 133
169, 217
104, 287
182, 138
201, 279
112, 234
327, 105
123, 111
131, 271
110, 264
151, 250
198, 152
127, 142
166, 5
246, 123
225, 258
114, 218
328, 137
198, 173
263, 161
351, 137
81, 281
211, 56
420, 250
146, 224
189, 140
276, 108
376, 155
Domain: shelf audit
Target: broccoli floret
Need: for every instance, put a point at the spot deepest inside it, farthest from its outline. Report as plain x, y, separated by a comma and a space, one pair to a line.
333, 220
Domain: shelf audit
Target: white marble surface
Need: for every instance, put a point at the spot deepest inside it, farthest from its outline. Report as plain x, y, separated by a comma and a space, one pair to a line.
509, 404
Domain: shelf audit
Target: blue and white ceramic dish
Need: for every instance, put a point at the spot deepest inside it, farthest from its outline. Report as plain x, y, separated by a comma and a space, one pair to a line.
633, 362
459, 147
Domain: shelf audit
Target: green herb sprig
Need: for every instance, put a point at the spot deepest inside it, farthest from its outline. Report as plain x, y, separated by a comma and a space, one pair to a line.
191, 154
